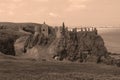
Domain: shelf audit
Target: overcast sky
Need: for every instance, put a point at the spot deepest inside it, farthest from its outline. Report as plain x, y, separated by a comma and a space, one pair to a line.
54, 12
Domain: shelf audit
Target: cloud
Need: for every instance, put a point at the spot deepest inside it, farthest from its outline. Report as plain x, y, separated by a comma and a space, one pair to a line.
53, 14
70, 11
1, 11
11, 13
12, 7
9, 7
78, 1
17, 0
42, 0
76, 7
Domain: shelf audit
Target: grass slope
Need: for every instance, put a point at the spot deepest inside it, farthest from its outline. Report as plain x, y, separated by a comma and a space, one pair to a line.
33, 70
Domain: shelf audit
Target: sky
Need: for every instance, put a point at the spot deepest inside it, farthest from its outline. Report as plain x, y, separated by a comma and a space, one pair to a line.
54, 12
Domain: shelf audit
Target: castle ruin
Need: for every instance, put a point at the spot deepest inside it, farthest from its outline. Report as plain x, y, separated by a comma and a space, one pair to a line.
66, 43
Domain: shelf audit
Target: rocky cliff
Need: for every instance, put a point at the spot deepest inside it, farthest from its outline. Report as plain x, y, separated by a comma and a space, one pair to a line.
61, 43
78, 45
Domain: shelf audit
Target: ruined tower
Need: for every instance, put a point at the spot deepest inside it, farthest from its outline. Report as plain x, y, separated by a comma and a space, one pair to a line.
44, 29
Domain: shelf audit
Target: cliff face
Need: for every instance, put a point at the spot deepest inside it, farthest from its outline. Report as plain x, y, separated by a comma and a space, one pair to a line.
62, 44
75, 45
7, 40
9, 33
59, 43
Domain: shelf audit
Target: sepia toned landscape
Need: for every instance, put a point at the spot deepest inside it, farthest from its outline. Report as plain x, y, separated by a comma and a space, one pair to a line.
44, 62
59, 40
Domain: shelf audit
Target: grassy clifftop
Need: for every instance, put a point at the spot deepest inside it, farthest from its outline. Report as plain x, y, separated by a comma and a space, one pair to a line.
9, 32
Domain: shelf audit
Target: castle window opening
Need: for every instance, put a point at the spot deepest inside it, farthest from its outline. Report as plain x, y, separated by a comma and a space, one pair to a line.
43, 29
